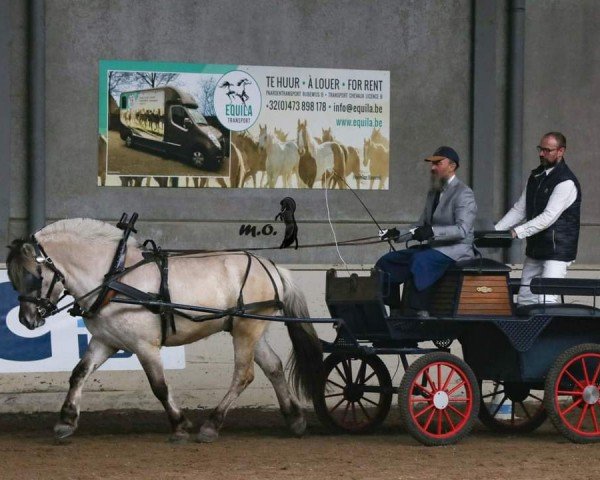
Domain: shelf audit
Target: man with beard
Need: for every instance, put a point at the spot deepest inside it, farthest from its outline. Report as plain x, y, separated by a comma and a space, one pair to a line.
547, 215
445, 233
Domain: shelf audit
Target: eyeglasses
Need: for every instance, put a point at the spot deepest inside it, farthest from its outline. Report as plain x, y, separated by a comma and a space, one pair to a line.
545, 151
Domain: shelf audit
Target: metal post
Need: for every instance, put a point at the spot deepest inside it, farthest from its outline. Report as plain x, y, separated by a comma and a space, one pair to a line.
37, 115
484, 108
5, 125
516, 66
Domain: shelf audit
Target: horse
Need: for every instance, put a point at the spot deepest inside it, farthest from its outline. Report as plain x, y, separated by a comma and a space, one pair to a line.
73, 255
351, 156
377, 157
282, 157
329, 156
377, 137
254, 158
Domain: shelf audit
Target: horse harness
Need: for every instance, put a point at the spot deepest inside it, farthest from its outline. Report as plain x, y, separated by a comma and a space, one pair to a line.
112, 287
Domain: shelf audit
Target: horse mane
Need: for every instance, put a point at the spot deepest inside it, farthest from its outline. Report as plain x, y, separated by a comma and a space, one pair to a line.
15, 262
85, 229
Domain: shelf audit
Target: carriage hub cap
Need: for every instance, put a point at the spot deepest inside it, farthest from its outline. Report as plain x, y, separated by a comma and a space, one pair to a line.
440, 400
591, 394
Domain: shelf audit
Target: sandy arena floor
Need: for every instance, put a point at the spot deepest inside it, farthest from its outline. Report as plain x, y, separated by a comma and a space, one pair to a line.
256, 445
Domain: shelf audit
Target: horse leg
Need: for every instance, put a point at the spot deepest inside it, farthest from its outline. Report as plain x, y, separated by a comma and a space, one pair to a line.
152, 365
245, 336
270, 364
96, 354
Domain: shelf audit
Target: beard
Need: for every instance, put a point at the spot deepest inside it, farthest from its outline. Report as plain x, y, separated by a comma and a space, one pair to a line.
548, 163
437, 183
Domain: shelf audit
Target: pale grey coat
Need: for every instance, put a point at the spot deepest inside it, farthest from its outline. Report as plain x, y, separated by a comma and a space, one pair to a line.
452, 221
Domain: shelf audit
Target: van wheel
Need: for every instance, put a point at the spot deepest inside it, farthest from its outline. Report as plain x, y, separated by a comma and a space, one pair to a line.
197, 158
129, 140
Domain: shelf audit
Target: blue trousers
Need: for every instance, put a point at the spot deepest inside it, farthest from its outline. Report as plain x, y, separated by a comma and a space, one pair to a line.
424, 264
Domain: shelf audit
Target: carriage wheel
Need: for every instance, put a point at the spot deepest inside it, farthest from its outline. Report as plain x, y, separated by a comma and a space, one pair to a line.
356, 394
573, 393
527, 411
439, 399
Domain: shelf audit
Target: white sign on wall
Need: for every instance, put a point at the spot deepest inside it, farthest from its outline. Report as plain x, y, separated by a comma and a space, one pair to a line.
59, 344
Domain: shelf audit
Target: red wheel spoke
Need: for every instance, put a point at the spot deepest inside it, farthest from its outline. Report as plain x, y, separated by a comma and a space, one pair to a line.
456, 387
585, 372
457, 411
336, 384
428, 422
570, 393
582, 416
439, 421
425, 410
593, 411
450, 375
458, 399
574, 379
364, 410
452, 426
422, 388
433, 386
573, 405
596, 373
336, 405
439, 375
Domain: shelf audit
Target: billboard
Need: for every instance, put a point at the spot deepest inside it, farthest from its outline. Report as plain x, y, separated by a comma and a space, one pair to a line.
242, 126
59, 344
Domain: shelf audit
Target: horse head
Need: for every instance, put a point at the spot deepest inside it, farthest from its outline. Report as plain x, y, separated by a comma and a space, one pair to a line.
38, 281
327, 136
302, 136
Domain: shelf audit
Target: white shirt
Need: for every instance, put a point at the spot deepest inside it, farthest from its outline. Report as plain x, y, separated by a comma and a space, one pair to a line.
562, 197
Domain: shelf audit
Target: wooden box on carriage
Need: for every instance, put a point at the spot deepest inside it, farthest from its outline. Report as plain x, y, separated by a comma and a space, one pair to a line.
474, 287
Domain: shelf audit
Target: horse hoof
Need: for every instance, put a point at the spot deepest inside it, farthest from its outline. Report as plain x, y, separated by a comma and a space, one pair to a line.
207, 435
298, 427
179, 437
62, 431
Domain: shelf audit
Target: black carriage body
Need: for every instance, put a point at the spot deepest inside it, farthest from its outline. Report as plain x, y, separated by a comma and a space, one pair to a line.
499, 342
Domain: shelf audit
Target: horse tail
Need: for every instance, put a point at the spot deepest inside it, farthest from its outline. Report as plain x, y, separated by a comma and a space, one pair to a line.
306, 360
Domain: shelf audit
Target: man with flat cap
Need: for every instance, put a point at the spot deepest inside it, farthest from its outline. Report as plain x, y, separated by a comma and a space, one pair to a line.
445, 233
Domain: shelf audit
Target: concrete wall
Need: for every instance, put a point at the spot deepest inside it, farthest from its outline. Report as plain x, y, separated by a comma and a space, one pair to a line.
425, 44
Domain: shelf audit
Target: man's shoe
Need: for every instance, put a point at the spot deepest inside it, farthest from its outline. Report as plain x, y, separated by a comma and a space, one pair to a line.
423, 314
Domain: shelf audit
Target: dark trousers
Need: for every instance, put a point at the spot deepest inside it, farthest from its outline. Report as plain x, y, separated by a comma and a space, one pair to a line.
422, 266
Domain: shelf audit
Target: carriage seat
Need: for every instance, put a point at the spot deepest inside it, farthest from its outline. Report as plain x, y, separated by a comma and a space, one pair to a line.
557, 309
479, 265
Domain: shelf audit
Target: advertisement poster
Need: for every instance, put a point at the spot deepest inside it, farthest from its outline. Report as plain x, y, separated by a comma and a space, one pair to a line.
242, 126
59, 344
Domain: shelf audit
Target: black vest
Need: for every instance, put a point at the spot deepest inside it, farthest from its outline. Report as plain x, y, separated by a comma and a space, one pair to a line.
559, 240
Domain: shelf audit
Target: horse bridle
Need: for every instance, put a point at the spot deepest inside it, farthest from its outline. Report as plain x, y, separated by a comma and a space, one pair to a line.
44, 306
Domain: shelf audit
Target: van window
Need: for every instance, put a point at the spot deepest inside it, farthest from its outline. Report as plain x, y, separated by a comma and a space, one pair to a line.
178, 116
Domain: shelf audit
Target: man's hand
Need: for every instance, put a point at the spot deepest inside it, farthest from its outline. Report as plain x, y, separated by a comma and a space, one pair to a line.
423, 233
513, 233
389, 234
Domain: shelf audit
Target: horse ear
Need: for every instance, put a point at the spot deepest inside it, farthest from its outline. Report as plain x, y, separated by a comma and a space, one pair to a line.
28, 250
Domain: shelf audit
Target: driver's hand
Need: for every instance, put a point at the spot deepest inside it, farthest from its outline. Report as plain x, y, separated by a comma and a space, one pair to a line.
389, 234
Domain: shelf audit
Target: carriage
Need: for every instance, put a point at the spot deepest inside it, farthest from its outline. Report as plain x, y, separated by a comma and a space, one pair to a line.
518, 366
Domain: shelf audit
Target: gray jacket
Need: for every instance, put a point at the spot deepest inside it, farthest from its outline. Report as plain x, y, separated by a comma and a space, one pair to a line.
452, 221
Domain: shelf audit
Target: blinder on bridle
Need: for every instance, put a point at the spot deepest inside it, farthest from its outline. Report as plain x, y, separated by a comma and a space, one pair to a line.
33, 283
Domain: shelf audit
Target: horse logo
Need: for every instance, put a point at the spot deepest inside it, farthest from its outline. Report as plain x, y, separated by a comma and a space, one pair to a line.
237, 100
